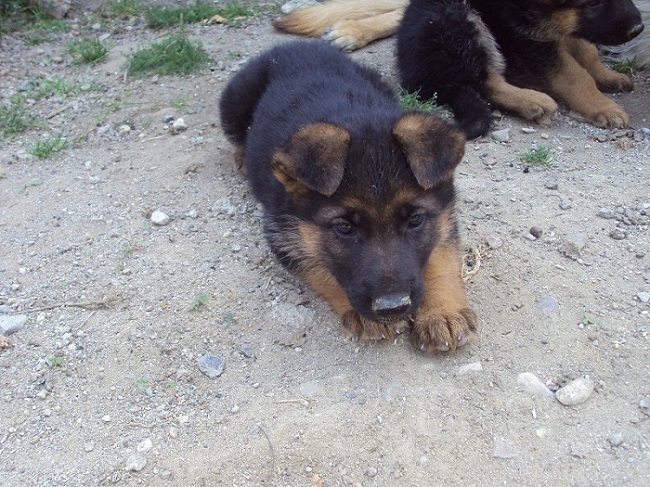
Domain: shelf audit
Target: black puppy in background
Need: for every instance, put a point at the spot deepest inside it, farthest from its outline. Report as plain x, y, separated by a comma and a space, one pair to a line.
358, 195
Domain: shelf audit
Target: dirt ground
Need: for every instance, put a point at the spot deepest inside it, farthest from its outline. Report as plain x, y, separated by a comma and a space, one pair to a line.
108, 390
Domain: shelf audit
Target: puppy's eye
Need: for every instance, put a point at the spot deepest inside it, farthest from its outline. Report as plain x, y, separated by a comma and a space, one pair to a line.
343, 228
593, 3
416, 220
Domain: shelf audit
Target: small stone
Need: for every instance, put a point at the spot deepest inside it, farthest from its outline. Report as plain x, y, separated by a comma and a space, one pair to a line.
135, 463
618, 234
89, 446
235, 409
575, 392
606, 213
124, 129
168, 119
551, 185
371, 472
644, 297
494, 241
472, 367
211, 365
12, 323
159, 218
573, 244
548, 305
544, 136
173, 432
166, 475
178, 126
106, 418
615, 440
502, 135
644, 404
532, 385
144, 445
536, 232
490, 161
565, 205
528, 130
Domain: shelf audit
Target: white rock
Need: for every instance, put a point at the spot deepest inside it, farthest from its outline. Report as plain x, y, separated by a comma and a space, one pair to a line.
144, 445
159, 218
643, 297
135, 463
576, 392
12, 324
179, 125
473, 367
532, 385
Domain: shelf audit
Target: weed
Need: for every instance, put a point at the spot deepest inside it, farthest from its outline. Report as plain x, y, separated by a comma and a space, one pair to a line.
627, 66
173, 55
123, 8
198, 301
159, 17
26, 14
88, 51
14, 118
586, 320
234, 54
412, 101
44, 149
33, 183
179, 104
540, 156
142, 382
53, 361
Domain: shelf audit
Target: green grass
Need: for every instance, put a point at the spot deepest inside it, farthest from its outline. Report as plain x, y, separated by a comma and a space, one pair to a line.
541, 156
626, 66
173, 55
412, 101
44, 149
58, 86
159, 17
89, 50
198, 301
14, 117
123, 8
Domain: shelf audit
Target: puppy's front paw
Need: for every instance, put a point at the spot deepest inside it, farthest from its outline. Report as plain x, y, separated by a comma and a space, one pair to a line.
345, 35
362, 329
444, 330
609, 114
537, 106
614, 82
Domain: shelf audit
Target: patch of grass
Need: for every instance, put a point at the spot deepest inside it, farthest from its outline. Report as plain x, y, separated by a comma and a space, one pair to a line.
44, 149
179, 104
159, 17
540, 156
173, 55
58, 86
55, 361
14, 117
142, 382
627, 66
198, 301
123, 8
89, 50
412, 101
26, 14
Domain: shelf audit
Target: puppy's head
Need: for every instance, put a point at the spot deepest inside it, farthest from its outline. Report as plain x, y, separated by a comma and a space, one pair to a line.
370, 206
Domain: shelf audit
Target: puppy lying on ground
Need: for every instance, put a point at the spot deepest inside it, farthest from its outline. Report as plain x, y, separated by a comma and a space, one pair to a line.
522, 56
358, 195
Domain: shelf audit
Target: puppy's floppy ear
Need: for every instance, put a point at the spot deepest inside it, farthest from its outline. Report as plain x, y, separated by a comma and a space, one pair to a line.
314, 158
433, 148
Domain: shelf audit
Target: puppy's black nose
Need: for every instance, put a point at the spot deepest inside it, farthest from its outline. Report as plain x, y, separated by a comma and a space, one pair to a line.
391, 304
635, 31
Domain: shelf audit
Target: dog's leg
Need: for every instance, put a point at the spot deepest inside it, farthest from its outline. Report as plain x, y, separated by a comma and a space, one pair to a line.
607, 80
572, 85
353, 325
354, 34
529, 104
445, 320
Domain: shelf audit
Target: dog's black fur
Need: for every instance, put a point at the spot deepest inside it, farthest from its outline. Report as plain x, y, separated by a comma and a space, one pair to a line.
448, 46
358, 195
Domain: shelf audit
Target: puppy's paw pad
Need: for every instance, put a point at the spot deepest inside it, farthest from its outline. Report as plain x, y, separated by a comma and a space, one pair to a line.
444, 332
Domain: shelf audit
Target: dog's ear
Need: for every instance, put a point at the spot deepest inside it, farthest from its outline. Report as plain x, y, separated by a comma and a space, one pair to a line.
314, 158
433, 148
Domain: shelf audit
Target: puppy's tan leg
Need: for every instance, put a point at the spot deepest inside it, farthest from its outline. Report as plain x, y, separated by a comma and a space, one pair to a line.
354, 34
572, 85
529, 104
607, 80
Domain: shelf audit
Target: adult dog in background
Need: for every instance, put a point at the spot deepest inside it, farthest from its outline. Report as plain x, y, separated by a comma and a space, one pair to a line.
358, 195
521, 56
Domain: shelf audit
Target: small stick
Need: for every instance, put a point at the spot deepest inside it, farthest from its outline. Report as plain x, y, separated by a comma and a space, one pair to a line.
86, 304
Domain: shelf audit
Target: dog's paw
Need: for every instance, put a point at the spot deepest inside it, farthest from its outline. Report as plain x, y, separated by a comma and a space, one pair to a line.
444, 332
609, 114
364, 330
345, 35
613, 82
536, 106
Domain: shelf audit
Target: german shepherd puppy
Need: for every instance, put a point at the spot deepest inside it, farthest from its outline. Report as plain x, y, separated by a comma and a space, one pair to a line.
358, 195
519, 55
463, 50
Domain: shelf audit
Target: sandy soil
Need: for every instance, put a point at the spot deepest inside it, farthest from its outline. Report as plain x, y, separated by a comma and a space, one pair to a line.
107, 390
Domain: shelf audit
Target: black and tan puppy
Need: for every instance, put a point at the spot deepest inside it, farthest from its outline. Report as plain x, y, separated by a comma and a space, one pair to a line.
358, 195
520, 55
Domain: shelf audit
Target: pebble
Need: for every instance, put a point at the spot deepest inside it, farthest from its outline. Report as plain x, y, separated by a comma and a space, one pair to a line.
371, 472
12, 323
532, 385
144, 445
25, 86
124, 129
575, 392
159, 218
503, 449
573, 244
644, 297
178, 126
551, 185
615, 439
494, 241
211, 365
644, 404
106, 418
89, 446
536, 232
472, 367
173, 432
565, 205
168, 119
548, 305
502, 135
528, 130
135, 463
606, 213
618, 234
